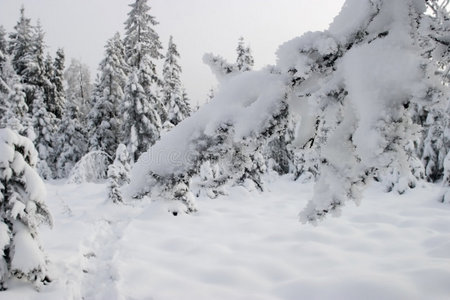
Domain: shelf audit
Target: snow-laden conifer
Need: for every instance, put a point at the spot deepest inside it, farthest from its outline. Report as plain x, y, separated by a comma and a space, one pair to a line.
142, 108
174, 96
244, 60
22, 211
104, 119
71, 143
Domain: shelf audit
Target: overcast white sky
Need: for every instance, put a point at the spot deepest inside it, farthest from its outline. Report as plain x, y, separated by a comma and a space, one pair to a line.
82, 27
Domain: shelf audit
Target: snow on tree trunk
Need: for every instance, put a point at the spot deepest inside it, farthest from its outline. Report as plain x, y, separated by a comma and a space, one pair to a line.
22, 210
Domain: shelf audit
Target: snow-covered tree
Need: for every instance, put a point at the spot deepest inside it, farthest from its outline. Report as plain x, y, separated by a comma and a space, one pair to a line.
220, 67
223, 139
79, 87
244, 61
71, 143
104, 119
174, 97
141, 125
118, 174
45, 129
21, 45
22, 211
348, 77
17, 117
57, 97
142, 109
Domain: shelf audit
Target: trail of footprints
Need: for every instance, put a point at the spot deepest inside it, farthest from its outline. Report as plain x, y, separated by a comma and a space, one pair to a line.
100, 273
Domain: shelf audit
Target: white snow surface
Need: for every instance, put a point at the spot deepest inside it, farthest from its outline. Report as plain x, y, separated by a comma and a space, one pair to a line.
246, 245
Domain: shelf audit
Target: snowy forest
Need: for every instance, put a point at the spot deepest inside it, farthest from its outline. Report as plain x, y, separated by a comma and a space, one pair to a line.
147, 195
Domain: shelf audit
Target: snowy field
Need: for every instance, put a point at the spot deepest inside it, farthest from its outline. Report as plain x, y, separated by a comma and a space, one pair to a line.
245, 246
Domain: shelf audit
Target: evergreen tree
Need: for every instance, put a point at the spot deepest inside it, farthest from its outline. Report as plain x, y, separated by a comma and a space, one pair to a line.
244, 61
17, 117
118, 174
45, 128
142, 125
174, 97
21, 44
142, 108
57, 99
71, 143
104, 119
22, 211
79, 87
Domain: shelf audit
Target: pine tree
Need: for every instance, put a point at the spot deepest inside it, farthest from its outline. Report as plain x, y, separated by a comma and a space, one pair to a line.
71, 143
174, 97
118, 174
142, 108
244, 61
22, 211
104, 118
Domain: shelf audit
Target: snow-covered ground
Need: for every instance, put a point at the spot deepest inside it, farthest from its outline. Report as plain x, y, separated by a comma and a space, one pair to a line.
245, 246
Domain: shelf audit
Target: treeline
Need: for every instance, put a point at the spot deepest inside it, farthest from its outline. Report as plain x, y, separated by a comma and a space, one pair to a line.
66, 116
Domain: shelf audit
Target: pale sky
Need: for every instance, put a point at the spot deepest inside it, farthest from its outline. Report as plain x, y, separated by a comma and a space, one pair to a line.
82, 27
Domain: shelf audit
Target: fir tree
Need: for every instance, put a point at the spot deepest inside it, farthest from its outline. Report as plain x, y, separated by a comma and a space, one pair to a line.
104, 119
142, 108
22, 211
174, 97
244, 61
118, 174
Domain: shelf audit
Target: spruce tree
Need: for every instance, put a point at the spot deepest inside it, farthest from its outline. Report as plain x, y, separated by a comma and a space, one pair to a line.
174, 97
22, 211
142, 109
244, 61
104, 118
